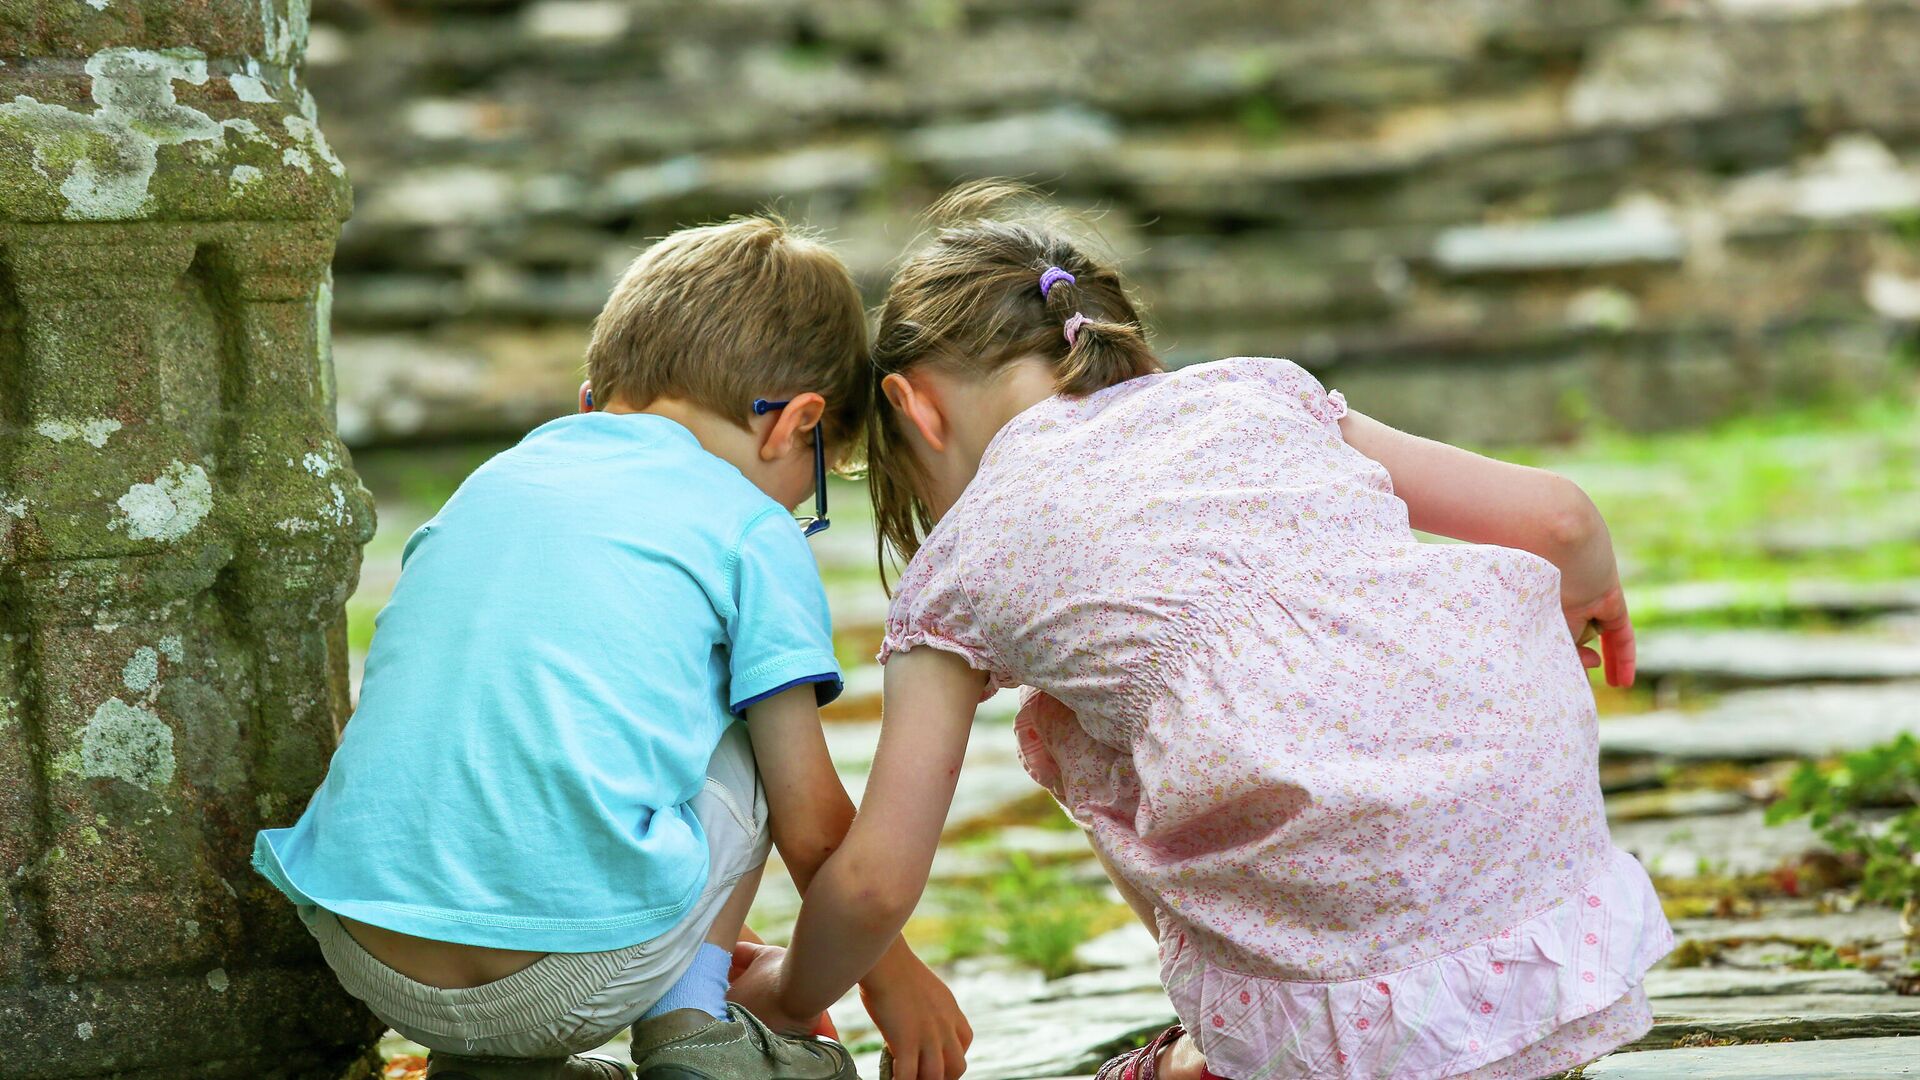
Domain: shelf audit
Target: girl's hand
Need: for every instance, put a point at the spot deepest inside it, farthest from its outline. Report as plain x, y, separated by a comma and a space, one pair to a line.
754, 984
925, 1031
1601, 614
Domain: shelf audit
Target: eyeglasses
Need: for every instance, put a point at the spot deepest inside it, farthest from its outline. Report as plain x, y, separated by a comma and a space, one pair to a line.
818, 523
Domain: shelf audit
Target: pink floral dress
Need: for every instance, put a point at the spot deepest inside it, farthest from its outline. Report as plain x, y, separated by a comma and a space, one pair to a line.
1355, 773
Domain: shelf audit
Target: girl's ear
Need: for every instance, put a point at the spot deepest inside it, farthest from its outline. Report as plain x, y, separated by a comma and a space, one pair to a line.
918, 407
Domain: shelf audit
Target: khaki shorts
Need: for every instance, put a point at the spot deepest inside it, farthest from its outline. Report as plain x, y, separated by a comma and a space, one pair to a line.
565, 1003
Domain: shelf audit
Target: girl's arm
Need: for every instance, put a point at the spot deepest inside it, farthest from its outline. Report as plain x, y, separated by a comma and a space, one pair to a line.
1456, 493
809, 814
864, 892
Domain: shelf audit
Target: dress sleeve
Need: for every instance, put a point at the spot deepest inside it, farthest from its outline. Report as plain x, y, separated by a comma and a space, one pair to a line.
780, 634
931, 608
1297, 384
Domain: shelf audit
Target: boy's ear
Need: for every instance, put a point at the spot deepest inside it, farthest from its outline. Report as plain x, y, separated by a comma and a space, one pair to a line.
793, 426
918, 408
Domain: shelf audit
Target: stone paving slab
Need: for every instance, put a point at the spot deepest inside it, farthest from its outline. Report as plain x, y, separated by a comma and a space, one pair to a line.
1740, 982
1771, 1019
1777, 656
1668, 803
1817, 597
1837, 1059
1759, 725
1719, 844
1798, 921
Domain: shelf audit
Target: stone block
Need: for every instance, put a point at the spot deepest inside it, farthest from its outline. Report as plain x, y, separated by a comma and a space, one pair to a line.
178, 531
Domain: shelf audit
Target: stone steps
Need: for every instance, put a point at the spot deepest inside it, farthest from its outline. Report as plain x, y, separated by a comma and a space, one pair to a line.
1768, 724
1832, 1059
1777, 656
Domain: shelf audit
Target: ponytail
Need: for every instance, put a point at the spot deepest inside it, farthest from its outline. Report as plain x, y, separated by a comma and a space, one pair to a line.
1098, 353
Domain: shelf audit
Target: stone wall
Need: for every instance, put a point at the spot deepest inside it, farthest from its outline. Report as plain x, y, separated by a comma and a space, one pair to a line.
1485, 219
179, 528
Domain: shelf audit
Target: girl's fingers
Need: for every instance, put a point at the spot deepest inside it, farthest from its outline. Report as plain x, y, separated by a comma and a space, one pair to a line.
1591, 659
956, 1060
906, 1068
743, 954
1620, 654
1616, 636
932, 1064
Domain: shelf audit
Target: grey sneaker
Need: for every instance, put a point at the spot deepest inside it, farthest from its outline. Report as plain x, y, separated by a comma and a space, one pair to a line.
689, 1044
442, 1066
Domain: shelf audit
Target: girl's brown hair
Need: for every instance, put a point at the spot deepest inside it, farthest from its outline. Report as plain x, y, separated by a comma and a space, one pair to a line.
970, 301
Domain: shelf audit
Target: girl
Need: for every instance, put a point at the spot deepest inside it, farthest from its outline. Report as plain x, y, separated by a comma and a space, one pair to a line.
1349, 779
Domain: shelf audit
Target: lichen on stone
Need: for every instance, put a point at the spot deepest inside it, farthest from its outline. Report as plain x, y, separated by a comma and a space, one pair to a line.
249, 86
142, 670
124, 742
94, 432
109, 155
285, 35
303, 129
240, 177
169, 507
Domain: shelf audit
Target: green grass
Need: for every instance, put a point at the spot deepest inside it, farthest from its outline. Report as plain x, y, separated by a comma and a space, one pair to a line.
1718, 504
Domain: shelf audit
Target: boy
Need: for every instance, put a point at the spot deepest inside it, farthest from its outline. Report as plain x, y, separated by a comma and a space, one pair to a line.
559, 671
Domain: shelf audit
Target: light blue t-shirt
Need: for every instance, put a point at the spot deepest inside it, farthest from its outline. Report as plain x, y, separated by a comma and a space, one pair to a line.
568, 641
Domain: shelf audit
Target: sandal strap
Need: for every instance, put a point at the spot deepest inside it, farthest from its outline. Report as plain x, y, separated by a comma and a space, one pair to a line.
1143, 1063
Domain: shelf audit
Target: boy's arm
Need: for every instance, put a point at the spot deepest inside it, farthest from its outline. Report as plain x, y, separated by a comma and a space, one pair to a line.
863, 895
809, 816
1460, 494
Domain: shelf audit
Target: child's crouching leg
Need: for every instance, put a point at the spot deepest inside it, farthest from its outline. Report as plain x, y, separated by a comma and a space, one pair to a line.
1180, 1059
567, 1003
1142, 907
733, 812
732, 809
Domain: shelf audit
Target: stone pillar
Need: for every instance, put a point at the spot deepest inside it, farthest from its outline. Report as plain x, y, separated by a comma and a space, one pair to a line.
179, 529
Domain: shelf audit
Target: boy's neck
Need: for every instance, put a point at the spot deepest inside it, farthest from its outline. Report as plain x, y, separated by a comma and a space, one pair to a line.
724, 439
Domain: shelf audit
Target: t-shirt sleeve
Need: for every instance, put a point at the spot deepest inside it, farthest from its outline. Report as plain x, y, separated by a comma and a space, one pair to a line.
931, 608
780, 634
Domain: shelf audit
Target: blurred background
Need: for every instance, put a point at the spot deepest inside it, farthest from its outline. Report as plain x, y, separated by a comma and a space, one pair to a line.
1669, 248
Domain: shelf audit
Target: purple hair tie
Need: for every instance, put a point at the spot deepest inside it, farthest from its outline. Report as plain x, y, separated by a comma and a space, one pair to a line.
1074, 323
1052, 276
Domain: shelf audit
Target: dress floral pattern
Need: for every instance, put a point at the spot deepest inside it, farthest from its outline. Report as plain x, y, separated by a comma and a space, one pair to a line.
1355, 773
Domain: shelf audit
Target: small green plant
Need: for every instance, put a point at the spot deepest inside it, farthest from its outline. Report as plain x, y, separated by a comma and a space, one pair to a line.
1820, 957
1844, 802
1261, 119
1044, 914
1035, 913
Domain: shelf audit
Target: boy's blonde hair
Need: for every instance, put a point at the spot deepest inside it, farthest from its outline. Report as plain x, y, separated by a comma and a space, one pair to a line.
723, 314
970, 301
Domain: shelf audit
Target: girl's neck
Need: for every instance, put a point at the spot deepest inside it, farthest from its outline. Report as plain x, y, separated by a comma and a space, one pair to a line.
977, 411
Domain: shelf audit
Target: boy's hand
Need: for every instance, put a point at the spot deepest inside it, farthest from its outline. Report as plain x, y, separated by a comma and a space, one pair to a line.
925, 1031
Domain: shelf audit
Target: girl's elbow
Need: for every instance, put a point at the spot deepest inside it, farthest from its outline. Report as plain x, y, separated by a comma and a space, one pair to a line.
1573, 522
883, 897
